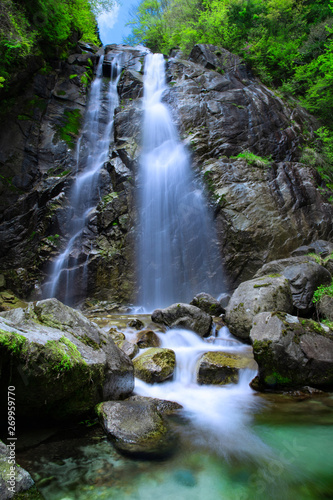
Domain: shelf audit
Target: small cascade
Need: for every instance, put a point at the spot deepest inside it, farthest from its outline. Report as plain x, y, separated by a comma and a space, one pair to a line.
219, 415
69, 274
177, 249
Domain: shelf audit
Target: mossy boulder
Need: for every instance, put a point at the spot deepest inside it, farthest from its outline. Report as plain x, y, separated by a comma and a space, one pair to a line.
291, 352
147, 338
220, 368
59, 372
208, 304
136, 427
184, 316
268, 293
155, 365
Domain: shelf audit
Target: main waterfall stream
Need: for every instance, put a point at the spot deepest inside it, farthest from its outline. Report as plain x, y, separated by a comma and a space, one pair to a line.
178, 253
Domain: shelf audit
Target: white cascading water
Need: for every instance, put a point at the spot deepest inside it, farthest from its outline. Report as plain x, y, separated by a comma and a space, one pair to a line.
221, 416
69, 271
177, 250
178, 257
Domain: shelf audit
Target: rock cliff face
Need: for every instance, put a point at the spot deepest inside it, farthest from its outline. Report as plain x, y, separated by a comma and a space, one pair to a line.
265, 205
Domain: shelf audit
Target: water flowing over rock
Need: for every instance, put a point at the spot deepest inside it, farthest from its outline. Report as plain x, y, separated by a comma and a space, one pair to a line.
177, 253
291, 352
264, 210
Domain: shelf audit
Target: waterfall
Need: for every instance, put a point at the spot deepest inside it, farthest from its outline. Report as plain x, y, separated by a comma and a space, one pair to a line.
68, 276
177, 249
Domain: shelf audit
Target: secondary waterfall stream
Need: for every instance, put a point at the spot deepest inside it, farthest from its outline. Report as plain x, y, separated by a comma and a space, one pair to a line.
69, 270
177, 251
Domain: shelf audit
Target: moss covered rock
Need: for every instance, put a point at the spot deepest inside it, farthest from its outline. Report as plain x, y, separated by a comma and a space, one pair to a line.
208, 304
155, 365
136, 427
59, 371
292, 352
269, 293
220, 368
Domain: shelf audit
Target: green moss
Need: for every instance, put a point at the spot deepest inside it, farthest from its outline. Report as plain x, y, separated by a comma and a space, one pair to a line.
261, 286
70, 126
253, 159
64, 354
12, 342
323, 290
276, 378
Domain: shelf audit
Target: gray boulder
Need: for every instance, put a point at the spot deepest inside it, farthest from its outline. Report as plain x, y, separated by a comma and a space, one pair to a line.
304, 276
136, 427
131, 350
60, 363
155, 365
208, 304
291, 352
269, 293
184, 316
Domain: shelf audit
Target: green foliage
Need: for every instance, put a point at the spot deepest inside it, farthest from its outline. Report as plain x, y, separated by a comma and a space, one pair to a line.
43, 27
321, 291
253, 159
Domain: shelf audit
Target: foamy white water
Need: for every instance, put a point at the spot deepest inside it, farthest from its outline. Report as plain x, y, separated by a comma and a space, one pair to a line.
178, 254
221, 416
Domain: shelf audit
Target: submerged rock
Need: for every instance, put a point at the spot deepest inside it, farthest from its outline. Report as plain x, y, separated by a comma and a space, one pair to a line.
269, 293
208, 304
304, 276
136, 427
155, 365
60, 363
184, 316
291, 352
220, 368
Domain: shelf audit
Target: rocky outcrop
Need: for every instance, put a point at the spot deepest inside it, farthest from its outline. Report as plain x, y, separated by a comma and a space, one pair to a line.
291, 352
60, 363
269, 293
155, 365
137, 426
184, 316
266, 204
304, 276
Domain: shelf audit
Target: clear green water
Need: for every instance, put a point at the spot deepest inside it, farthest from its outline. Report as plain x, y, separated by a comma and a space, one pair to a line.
297, 463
